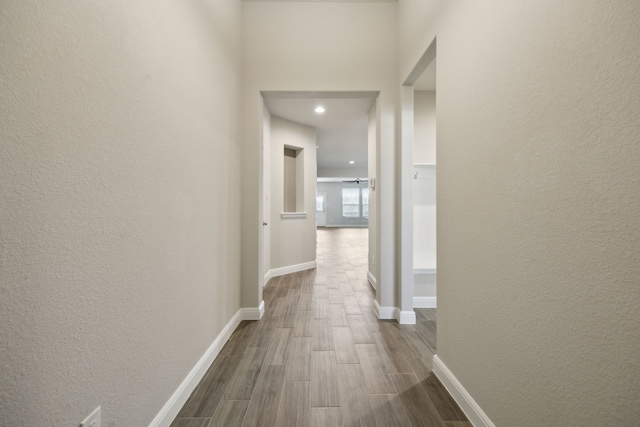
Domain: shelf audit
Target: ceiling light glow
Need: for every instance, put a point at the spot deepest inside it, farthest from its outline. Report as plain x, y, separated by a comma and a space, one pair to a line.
320, 109
351, 162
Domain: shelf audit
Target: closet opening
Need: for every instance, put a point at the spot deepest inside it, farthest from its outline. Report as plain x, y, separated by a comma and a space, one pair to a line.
418, 196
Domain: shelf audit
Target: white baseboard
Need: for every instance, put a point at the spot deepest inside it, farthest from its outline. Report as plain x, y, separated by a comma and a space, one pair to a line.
275, 272
394, 313
170, 410
406, 317
384, 313
425, 302
266, 278
253, 313
372, 280
472, 410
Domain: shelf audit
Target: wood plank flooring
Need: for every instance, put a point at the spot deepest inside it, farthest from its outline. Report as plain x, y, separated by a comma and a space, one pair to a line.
320, 357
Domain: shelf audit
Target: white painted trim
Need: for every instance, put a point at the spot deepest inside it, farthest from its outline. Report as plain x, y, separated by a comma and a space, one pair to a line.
288, 215
385, 313
372, 280
407, 317
389, 313
267, 276
472, 410
425, 302
170, 409
253, 313
424, 263
291, 269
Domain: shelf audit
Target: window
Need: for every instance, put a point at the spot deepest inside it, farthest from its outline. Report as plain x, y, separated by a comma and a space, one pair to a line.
352, 199
351, 202
365, 203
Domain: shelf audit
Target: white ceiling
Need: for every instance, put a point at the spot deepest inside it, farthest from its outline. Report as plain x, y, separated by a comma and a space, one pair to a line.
342, 130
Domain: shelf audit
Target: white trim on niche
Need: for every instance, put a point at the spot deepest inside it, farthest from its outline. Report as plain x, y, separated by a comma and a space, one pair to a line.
281, 271
425, 302
290, 215
469, 406
170, 410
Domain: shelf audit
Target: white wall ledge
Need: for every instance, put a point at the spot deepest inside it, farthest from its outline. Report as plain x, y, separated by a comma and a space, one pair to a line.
424, 263
292, 215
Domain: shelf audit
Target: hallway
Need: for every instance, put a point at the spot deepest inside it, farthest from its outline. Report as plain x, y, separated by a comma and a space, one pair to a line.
320, 357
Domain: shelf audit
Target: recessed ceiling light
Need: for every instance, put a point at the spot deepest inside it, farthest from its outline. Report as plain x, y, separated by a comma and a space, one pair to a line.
351, 162
320, 109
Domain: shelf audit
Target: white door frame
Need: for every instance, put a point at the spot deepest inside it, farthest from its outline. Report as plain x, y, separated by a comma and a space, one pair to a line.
407, 315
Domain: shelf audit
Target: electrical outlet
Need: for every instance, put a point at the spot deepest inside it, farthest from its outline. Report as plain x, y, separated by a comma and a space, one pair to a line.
92, 420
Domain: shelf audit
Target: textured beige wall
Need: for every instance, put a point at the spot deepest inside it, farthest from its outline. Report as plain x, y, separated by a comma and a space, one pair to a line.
311, 46
350, 172
538, 208
119, 175
417, 21
293, 240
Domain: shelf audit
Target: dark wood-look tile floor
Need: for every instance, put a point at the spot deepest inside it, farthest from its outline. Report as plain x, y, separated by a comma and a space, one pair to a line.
320, 357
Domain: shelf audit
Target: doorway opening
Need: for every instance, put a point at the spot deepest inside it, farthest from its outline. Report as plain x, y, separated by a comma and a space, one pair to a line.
321, 209
333, 130
418, 181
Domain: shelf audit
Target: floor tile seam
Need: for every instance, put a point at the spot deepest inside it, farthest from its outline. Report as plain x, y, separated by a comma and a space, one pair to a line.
383, 394
262, 365
216, 410
436, 406
284, 380
191, 396
244, 417
406, 412
426, 392
404, 409
193, 418
224, 388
